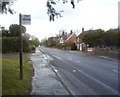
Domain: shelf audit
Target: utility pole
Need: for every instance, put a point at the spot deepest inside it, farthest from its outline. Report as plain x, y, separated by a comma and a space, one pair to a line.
21, 48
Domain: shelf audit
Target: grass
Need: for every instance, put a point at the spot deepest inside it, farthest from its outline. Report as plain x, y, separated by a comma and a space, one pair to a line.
11, 83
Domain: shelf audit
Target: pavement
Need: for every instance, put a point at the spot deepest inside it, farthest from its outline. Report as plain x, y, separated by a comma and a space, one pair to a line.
45, 81
107, 58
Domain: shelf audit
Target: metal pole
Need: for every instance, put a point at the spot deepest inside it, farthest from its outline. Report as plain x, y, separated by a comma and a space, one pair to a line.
20, 50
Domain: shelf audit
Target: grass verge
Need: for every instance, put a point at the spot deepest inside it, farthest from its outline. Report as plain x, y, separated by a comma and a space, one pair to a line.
11, 83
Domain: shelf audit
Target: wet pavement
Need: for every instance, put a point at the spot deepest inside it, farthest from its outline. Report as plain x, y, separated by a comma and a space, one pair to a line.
45, 80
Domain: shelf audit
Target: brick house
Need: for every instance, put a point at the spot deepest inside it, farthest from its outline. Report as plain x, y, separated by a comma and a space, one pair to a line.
79, 41
68, 38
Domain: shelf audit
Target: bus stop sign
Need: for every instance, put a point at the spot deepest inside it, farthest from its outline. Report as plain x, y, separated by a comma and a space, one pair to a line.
26, 19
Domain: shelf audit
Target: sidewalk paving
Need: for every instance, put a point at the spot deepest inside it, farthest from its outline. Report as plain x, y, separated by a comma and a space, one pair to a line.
45, 81
108, 58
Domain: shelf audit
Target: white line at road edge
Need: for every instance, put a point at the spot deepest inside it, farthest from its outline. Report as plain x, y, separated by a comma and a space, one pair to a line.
114, 91
98, 81
45, 56
57, 57
115, 71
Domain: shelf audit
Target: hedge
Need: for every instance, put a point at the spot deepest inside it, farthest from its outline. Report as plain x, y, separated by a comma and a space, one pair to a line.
10, 44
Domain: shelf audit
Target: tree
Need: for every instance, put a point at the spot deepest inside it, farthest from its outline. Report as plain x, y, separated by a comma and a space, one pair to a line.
5, 6
5, 33
94, 38
15, 30
34, 41
26, 42
51, 11
111, 38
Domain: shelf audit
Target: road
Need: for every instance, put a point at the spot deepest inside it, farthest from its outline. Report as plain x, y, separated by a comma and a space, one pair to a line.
84, 74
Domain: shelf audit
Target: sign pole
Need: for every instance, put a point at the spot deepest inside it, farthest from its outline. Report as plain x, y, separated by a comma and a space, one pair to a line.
20, 50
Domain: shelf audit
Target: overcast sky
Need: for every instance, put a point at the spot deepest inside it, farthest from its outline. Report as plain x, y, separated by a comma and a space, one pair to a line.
90, 14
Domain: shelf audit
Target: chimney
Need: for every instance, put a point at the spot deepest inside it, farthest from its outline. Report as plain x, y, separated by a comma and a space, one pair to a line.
71, 32
63, 33
82, 29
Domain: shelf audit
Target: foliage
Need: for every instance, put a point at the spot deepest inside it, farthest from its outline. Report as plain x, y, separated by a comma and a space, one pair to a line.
34, 41
15, 30
11, 83
52, 42
5, 6
5, 33
100, 38
10, 44
94, 37
51, 11
111, 38
10, 40
73, 46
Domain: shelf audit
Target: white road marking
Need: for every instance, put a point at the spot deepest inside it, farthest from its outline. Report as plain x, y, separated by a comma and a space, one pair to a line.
115, 71
45, 56
55, 70
74, 60
98, 81
57, 57
70, 59
74, 70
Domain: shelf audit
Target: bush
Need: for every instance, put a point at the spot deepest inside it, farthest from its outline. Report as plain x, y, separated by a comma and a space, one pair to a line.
73, 46
10, 44
31, 49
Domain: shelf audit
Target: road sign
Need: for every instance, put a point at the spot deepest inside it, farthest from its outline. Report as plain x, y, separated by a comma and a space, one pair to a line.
26, 19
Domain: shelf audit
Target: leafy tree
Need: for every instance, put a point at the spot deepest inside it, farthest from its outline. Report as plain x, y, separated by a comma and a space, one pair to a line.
5, 33
5, 6
34, 41
111, 38
26, 42
51, 11
26, 36
15, 30
52, 42
94, 37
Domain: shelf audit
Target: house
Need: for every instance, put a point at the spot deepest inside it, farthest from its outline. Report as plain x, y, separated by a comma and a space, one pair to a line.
71, 38
68, 38
79, 41
63, 37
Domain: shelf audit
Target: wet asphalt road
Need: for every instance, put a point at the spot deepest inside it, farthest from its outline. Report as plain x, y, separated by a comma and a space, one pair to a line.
84, 74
